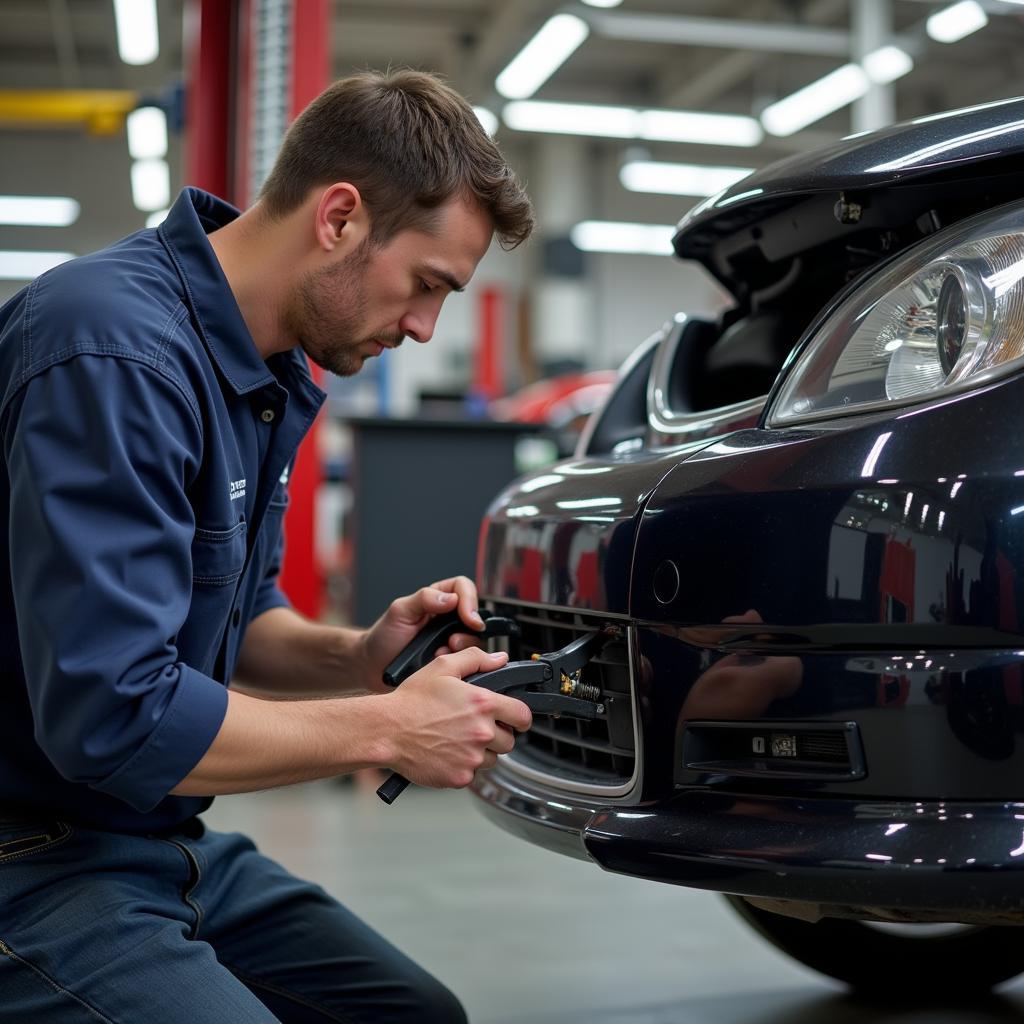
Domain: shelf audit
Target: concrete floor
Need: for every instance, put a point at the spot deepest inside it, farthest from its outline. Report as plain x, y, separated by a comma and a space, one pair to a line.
521, 934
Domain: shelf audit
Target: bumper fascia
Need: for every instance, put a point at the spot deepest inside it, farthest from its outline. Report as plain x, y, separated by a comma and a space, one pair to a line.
965, 856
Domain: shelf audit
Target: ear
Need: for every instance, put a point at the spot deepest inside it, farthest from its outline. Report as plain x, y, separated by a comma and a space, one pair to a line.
340, 217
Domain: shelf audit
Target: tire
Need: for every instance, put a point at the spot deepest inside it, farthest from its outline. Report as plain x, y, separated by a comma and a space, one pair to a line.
873, 960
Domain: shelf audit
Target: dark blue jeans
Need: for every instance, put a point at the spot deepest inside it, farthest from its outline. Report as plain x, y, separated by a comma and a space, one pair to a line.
194, 926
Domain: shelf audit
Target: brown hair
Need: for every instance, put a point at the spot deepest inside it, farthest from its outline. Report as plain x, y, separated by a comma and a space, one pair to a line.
409, 143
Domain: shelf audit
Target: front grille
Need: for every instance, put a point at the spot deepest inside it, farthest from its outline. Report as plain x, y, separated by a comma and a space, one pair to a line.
598, 753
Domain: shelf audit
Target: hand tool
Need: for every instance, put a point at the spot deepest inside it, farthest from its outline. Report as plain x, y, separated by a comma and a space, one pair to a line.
548, 684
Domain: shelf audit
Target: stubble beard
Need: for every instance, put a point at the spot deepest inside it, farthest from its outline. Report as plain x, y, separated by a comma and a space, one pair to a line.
330, 313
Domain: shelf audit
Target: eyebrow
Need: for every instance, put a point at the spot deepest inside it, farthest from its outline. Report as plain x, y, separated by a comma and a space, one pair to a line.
442, 275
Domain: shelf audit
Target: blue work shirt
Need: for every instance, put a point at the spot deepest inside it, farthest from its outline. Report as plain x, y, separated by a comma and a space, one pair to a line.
146, 446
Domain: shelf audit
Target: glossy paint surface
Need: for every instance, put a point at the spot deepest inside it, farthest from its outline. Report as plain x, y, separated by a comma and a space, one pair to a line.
565, 536
905, 523
904, 854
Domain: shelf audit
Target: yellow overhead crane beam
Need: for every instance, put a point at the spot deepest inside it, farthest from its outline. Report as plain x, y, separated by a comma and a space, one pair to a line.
99, 111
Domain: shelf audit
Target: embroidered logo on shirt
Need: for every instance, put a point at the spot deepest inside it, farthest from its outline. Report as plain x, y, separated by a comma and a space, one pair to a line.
237, 489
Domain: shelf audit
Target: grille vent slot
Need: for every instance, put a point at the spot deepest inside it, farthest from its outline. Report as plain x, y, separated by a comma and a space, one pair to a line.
599, 752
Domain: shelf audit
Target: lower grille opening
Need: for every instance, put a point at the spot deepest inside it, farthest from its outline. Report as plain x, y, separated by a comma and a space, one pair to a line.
599, 752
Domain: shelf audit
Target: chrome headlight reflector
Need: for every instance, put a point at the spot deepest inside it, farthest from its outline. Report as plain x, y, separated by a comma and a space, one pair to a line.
947, 315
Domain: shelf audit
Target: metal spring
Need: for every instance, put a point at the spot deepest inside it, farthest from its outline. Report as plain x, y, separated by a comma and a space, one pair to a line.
586, 691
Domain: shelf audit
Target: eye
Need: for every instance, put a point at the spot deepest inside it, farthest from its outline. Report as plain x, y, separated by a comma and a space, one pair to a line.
425, 287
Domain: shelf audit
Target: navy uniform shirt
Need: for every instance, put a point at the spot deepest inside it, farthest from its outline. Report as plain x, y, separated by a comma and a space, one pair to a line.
146, 447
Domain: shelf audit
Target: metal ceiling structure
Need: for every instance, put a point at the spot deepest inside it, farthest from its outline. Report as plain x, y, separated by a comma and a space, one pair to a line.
726, 56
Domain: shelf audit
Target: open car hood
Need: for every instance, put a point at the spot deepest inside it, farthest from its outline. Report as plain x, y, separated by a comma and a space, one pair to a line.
968, 144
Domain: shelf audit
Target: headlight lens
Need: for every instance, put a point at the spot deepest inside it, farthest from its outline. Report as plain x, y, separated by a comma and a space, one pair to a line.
947, 315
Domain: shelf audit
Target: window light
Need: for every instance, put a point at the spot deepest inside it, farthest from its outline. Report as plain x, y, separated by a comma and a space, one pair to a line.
542, 56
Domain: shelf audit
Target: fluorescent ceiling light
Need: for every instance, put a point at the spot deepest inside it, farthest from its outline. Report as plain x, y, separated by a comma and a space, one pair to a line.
679, 179
137, 40
39, 211
886, 64
690, 126
620, 237
815, 101
615, 3
542, 56
488, 121
953, 23
572, 119
154, 220
151, 184
147, 133
23, 266
629, 123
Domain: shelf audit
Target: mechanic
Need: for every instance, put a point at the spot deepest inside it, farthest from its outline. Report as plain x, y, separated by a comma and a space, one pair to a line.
153, 395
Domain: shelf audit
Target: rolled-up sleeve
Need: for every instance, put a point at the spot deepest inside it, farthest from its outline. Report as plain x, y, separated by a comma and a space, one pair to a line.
101, 451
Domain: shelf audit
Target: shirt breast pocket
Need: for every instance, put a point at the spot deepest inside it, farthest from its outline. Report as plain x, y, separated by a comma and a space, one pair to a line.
218, 556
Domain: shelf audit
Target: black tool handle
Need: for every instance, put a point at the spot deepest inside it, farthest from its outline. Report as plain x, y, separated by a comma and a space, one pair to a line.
511, 674
420, 650
542, 703
392, 787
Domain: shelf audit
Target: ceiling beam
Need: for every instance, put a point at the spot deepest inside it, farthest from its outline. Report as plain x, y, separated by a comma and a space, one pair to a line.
724, 73
724, 33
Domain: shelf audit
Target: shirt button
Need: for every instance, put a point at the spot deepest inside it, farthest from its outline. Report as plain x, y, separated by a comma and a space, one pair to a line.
236, 618
267, 415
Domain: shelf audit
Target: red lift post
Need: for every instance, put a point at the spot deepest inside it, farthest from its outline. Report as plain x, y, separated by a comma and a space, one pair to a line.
225, 63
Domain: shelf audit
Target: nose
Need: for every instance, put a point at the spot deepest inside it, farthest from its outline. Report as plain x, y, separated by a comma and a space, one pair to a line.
418, 325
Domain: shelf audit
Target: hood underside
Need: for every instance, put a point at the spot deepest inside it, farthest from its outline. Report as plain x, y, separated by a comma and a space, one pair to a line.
861, 199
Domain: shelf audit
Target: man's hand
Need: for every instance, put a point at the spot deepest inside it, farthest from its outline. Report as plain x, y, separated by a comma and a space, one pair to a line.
406, 616
445, 729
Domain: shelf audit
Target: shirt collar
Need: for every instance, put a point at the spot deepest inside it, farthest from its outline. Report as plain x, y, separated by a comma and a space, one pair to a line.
194, 214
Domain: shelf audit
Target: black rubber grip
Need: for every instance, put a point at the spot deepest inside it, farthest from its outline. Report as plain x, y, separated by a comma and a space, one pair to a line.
392, 788
420, 650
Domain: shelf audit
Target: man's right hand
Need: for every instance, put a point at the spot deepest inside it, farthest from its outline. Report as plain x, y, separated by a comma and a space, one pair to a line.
445, 729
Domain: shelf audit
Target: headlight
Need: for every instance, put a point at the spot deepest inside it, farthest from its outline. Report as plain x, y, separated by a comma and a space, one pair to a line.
947, 315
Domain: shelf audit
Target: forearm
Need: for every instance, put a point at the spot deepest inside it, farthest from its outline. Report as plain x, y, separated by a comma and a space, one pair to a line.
435, 729
284, 656
263, 744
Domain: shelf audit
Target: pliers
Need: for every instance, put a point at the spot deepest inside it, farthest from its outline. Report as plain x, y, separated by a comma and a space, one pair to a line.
548, 684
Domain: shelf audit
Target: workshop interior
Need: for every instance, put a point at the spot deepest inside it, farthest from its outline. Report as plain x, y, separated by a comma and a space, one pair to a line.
727, 447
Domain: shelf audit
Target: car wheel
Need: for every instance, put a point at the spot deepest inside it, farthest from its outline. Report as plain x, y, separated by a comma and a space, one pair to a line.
919, 959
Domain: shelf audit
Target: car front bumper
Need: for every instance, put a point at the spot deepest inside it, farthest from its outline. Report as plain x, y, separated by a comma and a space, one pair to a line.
962, 857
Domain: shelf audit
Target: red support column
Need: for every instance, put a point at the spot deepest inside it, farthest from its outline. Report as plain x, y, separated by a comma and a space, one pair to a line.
301, 577
208, 97
488, 362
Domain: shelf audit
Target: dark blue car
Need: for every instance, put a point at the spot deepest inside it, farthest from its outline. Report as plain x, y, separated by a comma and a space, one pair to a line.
801, 528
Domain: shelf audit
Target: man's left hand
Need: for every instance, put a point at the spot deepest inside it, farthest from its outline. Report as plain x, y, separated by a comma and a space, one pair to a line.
406, 616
